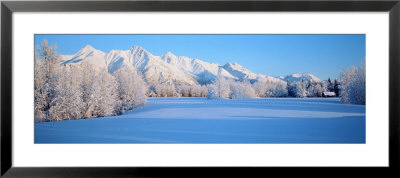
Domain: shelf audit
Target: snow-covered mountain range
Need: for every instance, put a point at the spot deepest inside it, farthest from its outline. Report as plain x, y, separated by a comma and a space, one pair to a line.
299, 76
169, 68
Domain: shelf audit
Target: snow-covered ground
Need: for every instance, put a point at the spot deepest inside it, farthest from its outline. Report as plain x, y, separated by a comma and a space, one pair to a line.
200, 120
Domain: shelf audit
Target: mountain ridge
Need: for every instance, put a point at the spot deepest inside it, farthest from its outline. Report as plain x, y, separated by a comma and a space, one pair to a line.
169, 68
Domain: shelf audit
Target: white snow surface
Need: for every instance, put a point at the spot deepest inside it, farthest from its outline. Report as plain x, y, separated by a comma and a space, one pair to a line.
200, 120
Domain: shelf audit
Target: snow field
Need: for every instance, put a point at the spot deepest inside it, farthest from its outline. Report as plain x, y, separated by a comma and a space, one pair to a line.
200, 120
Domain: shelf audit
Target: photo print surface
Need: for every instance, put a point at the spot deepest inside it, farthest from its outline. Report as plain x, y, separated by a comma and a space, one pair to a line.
263, 88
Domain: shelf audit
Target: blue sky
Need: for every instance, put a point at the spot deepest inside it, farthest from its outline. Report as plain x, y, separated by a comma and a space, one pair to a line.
276, 55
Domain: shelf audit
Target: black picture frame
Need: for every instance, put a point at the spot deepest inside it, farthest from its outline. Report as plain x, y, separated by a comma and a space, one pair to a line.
8, 7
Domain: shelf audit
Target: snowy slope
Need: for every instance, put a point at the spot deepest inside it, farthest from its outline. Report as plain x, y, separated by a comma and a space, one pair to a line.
242, 73
203, 71
169, 68
88, 54
151, 67
298, 76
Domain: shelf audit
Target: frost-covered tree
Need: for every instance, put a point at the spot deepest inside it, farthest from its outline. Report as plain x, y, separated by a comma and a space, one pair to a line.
281, 90
223, 86
291, 88
184, 90
46, 79
192, 90
241, 90
198, 91
260, 88
40, 92
316, 89
211, 94
88, 88
166, 89
68, 102
230, 89
301, 89
131, 89
267, 88
105, 95
82, 90
270, 89
352, 85
298, 89
220, 88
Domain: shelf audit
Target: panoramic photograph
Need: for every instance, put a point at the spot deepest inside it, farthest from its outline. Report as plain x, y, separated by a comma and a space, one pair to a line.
199, 89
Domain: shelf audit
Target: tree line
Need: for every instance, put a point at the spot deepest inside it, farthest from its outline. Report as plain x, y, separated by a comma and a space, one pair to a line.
228, 88
350, 87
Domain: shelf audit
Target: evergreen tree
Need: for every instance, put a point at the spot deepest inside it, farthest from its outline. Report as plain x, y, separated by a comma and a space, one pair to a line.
330, 85
336, 87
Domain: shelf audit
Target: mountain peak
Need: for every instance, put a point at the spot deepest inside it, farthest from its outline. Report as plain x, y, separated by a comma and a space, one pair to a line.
228, 64
136, 47
234, 66
138, 50
169, 53
298, 74
295, 77
304, 74
88, 48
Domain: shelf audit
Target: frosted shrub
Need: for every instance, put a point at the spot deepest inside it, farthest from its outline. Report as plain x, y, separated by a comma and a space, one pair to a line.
264, 88
224, 88
219, 89
241, 90
260, 88
316, 90
237, 91
280, 90
271, 89
211, 94
165, 90
192, 90
301, 90
352, 88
